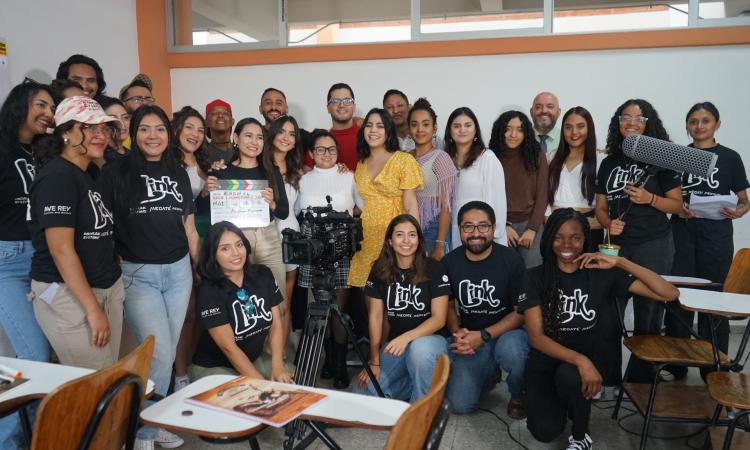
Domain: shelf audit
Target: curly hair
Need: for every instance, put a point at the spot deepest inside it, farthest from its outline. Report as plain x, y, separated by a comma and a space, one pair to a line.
64, 68
529, 147
654, 127
551, 304
178, 123
15, 111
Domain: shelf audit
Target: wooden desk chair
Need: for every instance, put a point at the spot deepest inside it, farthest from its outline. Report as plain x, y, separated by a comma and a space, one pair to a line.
729, 390
412, 428
660, 351
97, 411
435, 435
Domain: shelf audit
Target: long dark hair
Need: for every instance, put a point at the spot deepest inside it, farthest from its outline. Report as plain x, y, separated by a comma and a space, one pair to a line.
293, 157
15, 110
49, 146
265, 164
208, 267
588, 168
477, 147
129, 187
391, 138
551, 305
654, 127
178, 123
385, 266
529, 147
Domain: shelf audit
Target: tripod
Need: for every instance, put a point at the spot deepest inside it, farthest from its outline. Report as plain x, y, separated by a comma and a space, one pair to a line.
308, 354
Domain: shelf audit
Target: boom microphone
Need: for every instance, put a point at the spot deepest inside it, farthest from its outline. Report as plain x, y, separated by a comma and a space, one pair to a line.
668, 155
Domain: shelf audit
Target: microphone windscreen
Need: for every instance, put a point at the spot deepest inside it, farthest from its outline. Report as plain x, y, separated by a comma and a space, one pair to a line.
669, 155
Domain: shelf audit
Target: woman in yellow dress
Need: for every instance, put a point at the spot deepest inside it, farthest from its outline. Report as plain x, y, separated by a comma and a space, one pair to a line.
387, 180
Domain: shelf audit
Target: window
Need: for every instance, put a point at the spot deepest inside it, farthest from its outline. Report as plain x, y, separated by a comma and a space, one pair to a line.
247, 24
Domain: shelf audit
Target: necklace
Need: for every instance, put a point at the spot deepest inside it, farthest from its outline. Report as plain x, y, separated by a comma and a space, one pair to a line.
244, 298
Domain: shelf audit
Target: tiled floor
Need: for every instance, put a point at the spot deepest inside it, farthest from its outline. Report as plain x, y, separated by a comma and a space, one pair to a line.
483, 431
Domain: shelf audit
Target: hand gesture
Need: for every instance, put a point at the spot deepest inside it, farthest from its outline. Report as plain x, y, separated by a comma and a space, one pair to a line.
637, 194
397, 347
363, 378
512, 236
281, 374
591, 380
212, 184
267, 195
597, 261
616, 227
527, 238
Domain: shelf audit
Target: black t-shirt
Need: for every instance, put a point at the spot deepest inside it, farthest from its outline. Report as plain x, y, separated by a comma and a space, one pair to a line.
407, 305
643, 223
232, 172
584, 295
728, 176
63, 195
247, 311
153, 232
16, 175
486, 290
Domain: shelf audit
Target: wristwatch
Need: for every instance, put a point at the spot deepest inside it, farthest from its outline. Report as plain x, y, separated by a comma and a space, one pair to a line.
486, 336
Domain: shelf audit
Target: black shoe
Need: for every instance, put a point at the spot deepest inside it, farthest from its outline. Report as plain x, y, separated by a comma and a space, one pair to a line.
341, 373
328, 370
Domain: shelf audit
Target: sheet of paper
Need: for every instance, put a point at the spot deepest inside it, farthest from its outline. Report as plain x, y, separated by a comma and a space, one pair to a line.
709, 207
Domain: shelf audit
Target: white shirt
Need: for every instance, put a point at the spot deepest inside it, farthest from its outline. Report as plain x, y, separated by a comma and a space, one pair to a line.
196, 182
568, 194
316, 184
484, 180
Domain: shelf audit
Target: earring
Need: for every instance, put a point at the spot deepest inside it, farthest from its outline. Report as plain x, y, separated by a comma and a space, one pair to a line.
475, 138
66, 140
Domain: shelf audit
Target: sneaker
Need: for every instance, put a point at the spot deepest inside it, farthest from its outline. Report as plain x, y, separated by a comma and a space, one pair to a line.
665, 375
181, 382
599, 395
584, 444
143, 444
516, 410
165, 439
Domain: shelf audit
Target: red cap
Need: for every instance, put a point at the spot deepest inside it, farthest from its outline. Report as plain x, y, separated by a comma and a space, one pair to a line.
216, 103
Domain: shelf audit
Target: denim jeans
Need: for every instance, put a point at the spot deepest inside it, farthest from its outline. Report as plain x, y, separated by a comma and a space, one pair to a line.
472, 375
156, 300
18, 321
430, 232
407, 377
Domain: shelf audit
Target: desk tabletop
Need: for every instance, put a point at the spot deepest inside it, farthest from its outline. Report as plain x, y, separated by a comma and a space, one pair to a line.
43, 378
686, 281
719, 303
341, 408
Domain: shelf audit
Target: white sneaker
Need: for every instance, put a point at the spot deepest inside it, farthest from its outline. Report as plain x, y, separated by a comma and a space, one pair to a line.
584, 444
599, 395
143, 444
181, 382
165, 439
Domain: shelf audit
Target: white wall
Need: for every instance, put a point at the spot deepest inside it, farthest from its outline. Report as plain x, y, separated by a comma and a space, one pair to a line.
672, 79
42, 33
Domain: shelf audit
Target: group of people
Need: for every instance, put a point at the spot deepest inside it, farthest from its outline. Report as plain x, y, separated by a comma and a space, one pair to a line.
481, 252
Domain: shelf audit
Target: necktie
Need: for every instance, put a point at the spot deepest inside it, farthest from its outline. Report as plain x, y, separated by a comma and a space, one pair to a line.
543, 142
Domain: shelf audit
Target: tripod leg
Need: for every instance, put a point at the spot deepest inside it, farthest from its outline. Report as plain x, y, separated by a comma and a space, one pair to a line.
346, 321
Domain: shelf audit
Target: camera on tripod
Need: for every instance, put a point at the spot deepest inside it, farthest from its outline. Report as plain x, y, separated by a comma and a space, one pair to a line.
326, 237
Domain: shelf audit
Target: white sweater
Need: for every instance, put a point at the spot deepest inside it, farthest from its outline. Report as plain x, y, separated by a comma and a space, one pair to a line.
318, 183
485, 181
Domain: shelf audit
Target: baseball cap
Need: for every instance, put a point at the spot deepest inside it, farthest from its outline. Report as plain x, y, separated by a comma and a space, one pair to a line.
216, 103
139, 80
81, 109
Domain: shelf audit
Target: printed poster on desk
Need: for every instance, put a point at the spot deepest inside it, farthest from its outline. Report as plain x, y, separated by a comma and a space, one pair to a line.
240, 202
269, 402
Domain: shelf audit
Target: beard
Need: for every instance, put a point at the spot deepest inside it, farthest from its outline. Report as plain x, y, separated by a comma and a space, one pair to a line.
477, 245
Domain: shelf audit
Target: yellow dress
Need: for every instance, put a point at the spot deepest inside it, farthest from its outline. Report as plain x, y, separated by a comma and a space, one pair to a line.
383, 200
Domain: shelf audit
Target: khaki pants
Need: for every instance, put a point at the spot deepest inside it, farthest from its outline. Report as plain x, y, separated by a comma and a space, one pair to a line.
262, 364
63, 321
265, 249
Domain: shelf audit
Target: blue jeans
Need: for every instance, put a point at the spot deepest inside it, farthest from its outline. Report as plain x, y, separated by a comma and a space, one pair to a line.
430, 232
156, 300
472, 375
18, 321
407, 377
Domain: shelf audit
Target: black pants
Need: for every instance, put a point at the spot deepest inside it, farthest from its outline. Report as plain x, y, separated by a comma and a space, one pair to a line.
704, 249
657, 255
553, 393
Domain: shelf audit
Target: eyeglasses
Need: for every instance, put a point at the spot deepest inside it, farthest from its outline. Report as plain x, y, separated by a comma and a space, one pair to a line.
103, 129
322, 150
470, 227
632, 119
139, 99
348, 101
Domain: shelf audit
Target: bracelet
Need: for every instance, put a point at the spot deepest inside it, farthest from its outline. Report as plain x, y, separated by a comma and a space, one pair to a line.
653, 200
438, 241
